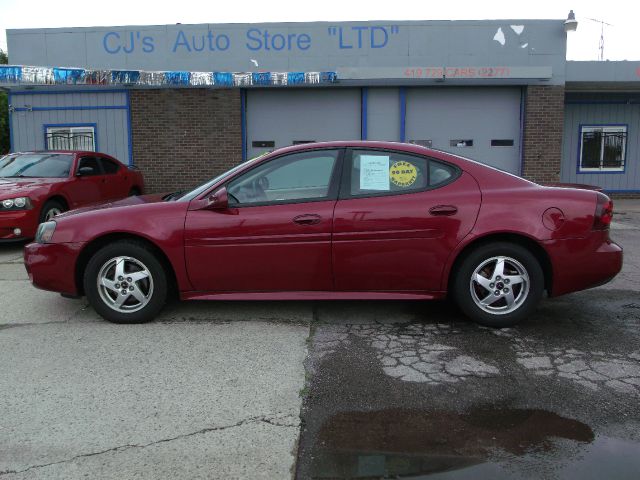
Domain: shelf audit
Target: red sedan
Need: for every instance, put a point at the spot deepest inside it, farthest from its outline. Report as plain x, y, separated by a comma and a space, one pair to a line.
36, 186
341, 220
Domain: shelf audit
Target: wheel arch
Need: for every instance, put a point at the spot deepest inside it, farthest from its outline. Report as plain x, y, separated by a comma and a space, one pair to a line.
57, 198
524, 241
97, 243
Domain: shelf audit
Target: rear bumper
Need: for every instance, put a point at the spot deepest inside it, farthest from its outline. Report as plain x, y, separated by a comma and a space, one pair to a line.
581, 263
52, 266
25, 220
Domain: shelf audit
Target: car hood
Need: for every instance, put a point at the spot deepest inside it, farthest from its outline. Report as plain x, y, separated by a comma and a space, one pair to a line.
21, 186
125, 202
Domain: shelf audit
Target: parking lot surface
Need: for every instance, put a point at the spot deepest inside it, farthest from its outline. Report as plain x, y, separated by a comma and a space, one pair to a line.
208, 391
322, 389
414, 390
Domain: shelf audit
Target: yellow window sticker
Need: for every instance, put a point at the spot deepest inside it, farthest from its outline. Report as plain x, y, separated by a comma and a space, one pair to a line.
403, 174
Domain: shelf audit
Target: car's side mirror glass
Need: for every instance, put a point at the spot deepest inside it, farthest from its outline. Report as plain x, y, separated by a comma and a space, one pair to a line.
83, 171
219, 200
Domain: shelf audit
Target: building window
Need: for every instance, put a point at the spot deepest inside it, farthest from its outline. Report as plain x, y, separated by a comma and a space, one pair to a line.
71, 138
461, 143
602, 148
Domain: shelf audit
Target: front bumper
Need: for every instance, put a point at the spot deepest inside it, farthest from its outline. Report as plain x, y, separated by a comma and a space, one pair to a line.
52, 266
581, 263
25, 220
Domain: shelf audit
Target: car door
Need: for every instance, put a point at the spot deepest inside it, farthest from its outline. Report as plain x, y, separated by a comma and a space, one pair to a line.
86, 186
276, 233
115, 185
397, 219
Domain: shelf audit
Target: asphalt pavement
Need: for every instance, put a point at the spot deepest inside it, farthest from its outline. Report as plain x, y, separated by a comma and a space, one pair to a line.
322, 389
207, 391
414, 390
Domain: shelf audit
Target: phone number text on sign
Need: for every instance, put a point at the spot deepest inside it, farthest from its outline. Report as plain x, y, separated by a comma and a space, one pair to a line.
458, 72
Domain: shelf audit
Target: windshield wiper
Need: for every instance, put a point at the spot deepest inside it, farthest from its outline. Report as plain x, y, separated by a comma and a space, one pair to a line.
174, 195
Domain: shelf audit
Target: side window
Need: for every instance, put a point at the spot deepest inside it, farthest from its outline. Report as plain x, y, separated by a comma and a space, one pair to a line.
296, 177
86, 163
109, 167
439, 173
378, 173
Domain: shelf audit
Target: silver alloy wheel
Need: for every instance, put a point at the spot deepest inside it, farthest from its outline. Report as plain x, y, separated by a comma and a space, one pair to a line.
125, 284
52, 212
499, 285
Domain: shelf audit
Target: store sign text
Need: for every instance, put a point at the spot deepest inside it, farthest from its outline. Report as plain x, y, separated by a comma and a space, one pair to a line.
255, 39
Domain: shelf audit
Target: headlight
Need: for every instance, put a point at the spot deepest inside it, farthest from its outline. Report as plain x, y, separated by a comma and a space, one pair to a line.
44, 234
19, 203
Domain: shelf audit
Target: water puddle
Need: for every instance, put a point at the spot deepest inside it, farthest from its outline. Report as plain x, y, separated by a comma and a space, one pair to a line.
484, 443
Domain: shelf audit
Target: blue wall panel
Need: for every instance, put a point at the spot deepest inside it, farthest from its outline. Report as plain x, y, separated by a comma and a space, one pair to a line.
108, 110
599, 112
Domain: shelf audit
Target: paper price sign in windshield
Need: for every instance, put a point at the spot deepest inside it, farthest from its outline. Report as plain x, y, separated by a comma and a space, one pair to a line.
374, 172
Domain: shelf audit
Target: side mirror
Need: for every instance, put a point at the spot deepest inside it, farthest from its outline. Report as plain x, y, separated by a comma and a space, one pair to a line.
83, 171
219, 200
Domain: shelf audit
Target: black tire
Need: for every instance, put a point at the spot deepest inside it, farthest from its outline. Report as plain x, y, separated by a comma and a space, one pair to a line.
524, 304
137, 252
50, 207
134, 192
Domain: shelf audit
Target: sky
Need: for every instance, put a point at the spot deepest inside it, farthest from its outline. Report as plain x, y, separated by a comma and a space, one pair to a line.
622, 40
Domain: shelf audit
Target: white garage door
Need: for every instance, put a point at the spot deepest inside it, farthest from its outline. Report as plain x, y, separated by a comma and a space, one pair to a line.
480, 123
278, 118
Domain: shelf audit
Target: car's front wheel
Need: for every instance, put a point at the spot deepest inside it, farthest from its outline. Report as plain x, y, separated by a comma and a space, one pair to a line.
125, 282
50, 210
498, 284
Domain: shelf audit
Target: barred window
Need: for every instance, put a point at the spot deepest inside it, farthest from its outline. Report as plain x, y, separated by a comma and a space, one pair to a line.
603, 148
71, 138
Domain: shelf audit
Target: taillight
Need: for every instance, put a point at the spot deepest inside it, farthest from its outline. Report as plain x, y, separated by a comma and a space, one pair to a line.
604, 212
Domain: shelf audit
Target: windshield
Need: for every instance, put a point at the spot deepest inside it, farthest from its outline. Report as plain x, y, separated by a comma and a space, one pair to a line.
42, 165
190, 195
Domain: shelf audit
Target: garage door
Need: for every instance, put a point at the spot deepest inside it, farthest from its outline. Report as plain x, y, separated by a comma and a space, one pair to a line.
278, 118
480, 123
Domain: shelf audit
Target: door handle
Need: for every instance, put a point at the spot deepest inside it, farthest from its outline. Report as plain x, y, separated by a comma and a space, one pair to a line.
443, 210
307, 219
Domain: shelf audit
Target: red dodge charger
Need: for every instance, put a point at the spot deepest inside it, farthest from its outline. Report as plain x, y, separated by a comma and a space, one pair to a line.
36, 186
339, 220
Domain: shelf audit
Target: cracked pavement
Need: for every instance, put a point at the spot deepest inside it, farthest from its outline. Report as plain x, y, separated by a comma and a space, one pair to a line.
427, 393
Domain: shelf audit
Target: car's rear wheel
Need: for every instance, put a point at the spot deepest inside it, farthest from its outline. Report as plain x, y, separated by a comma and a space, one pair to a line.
134, 192
126, 283
498, 284
51, 209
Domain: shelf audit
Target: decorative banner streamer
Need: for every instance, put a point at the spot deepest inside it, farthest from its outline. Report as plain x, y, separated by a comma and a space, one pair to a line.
328, 77
201, 78
312, 77
242, 79
10, 74
295, 78
71, 76
222, 78
176, 78
16, 75
38, 75
261, 78
151, 79
97, 77
279, 78
125, 76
